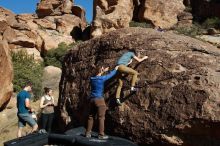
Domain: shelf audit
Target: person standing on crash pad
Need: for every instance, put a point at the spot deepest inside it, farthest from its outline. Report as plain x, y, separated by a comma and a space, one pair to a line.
123, 68
97, 102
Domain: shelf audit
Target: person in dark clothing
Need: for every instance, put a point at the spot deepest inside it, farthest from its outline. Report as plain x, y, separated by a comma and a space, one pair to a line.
97, 102
47, 106
25, 110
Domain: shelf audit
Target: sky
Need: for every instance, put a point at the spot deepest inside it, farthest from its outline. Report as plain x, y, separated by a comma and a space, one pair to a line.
29, 6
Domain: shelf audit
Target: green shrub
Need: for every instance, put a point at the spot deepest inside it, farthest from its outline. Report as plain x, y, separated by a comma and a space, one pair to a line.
211, 23
140, 24
192, 31
55, 57
26, 69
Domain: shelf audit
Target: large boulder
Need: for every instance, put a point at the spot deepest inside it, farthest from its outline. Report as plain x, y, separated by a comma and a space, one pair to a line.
51, 78
51, 39
54, 7
67, 23
160, 12
111, 15
7, 18
177, 102
6, 77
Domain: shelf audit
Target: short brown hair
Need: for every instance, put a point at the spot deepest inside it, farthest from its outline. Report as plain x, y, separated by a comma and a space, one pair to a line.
96, 69
27, 83
47, 90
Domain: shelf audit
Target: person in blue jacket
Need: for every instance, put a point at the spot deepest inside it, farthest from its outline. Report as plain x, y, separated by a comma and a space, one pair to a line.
97, 102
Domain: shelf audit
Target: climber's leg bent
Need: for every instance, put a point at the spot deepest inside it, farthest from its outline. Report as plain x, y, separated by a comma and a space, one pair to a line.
118, 91
130, 71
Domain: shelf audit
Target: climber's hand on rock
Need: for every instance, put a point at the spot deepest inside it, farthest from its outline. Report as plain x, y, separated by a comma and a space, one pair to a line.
106, 69
145, 57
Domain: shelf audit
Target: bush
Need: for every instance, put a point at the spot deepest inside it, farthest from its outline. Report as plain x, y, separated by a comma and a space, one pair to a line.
55, 57
140, 24
211, 23
27, 69
193, 31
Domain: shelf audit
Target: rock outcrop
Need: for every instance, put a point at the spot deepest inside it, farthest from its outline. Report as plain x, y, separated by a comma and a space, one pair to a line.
44, 31
160, 12
54, 7
54, 23
111, 15
6, 77
177, 102
114, 14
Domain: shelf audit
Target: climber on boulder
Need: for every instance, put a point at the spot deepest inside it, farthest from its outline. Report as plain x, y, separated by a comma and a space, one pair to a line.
123, 68
97, 103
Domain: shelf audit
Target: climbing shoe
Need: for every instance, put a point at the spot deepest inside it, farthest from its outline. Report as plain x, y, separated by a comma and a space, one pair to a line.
103, 136
42, 131
88, 135
118, 101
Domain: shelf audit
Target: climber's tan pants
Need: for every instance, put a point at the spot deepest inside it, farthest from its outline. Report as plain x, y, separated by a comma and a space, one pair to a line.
122, 69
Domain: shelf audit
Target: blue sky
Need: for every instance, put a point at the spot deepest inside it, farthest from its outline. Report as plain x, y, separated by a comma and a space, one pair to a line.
29, 6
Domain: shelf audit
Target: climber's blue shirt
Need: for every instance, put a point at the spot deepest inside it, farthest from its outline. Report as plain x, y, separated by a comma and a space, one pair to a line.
21, 97
125, 58
97, 84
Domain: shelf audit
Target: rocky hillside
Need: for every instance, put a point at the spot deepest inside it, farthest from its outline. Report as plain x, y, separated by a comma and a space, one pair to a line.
54, 22
178, 99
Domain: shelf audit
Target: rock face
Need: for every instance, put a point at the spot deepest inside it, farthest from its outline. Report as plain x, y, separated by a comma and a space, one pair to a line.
111, 15
114, 14
177, 102
6, 75
206, 8
160, 12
